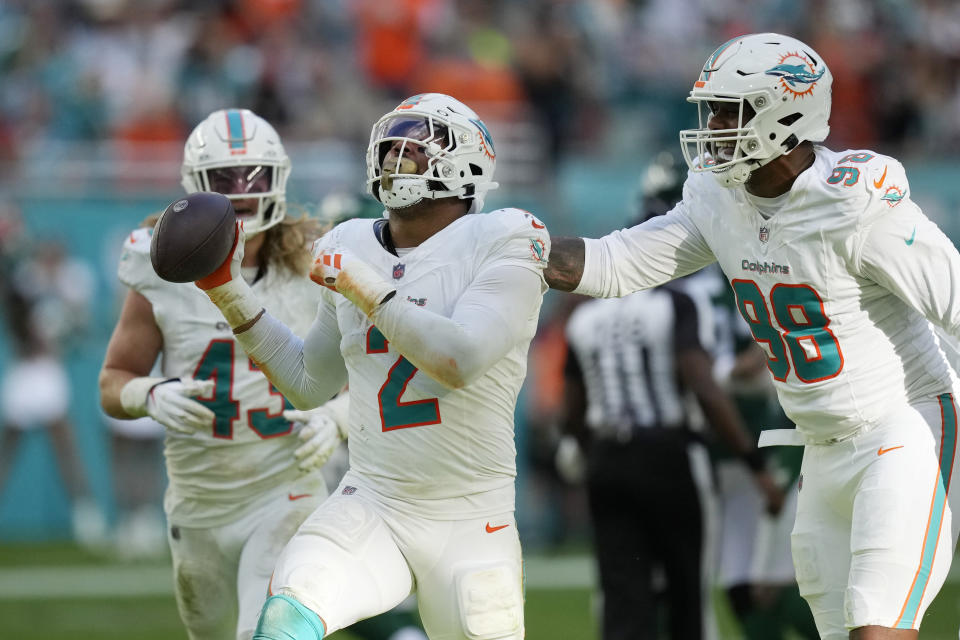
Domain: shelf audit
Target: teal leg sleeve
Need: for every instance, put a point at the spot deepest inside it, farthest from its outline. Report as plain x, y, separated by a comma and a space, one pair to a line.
283, 618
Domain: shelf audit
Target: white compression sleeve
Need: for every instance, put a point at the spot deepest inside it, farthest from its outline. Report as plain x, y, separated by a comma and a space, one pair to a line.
308, 372
489, 319
647, 255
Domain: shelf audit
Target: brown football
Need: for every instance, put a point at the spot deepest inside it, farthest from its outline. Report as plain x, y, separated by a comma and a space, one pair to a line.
193, 236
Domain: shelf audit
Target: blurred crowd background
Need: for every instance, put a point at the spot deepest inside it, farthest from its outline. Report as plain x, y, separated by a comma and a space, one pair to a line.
98, 95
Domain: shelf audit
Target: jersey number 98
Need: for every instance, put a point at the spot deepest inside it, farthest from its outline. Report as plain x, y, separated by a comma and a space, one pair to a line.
798, 330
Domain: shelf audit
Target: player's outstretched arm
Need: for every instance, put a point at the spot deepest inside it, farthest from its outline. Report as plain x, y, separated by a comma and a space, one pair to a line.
565, 268
628, 260
307, 372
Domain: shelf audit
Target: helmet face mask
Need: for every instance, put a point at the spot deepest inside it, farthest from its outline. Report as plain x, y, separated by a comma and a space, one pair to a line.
780, 89
431, 146
237, 153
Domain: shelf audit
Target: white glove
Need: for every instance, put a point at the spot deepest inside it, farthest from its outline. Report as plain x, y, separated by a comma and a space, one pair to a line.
229, 291
168, 401
320, 435
357, 281
569, 460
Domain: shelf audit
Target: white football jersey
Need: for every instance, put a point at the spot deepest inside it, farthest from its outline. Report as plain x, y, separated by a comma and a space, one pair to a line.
215, 476
411, 437
837, 287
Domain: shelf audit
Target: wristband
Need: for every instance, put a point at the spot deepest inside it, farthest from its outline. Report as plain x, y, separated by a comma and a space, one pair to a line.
133, 396
236, 301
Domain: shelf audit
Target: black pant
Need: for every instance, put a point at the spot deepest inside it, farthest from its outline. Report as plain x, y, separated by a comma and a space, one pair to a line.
646, 513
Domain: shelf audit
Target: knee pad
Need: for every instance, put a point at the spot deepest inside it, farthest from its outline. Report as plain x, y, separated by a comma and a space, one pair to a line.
807, 564
283, 618
491, 603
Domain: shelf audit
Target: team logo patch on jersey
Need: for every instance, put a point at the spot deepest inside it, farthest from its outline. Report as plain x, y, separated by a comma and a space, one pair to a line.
398, 270
798, 74
538, 249
892, 196
420, 302
348, 490
764, 234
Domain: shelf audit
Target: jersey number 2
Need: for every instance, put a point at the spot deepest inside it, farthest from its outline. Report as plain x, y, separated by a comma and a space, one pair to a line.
217, 361
803, 330
394, 413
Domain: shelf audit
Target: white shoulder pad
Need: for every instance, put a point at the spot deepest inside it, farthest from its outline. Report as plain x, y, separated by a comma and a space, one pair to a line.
135, 269
886, 181
513, 236
349, 233
856, 172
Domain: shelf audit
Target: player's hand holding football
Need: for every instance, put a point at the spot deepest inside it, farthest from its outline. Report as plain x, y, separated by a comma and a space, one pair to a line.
357, 281
170, 402
228, 290
320, 435
230, 268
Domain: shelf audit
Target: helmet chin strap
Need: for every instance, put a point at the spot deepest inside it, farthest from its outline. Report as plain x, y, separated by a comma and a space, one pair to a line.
403, 192
734, 176
738, 174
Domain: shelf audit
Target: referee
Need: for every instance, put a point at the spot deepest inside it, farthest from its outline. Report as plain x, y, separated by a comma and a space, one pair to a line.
634, 366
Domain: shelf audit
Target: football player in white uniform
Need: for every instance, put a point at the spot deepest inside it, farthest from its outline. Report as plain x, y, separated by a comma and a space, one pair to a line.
241, 463
839, 275
433, 311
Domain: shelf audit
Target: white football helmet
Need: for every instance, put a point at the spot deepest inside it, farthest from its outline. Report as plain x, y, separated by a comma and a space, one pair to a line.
237, 153
460, 153
785, 83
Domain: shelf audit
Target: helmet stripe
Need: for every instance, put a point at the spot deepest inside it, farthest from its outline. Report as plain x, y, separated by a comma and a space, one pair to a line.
716, 54
235, 132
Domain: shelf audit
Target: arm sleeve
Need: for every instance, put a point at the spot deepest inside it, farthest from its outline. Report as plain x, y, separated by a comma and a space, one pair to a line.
908, 255
493, 314
644, 256
308, 372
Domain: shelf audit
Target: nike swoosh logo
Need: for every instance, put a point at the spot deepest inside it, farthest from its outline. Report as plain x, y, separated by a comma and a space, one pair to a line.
292, 497
879, 183
912, 236
492, 529
882, 451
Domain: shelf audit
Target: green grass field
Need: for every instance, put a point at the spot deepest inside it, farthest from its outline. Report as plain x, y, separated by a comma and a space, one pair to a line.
113, 601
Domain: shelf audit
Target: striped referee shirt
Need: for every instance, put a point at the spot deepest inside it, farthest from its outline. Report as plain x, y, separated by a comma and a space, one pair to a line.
625, 352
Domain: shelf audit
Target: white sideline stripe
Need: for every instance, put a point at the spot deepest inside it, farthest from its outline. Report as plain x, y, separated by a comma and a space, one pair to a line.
45, 583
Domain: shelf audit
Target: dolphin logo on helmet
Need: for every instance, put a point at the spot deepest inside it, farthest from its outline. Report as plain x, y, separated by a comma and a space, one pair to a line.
755, 74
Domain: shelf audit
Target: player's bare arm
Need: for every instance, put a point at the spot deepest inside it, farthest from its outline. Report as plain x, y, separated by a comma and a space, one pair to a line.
133, 348
565, 268
696, 370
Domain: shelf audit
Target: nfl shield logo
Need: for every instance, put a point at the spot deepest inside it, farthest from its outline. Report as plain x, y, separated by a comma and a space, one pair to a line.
764, 234
398, 270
